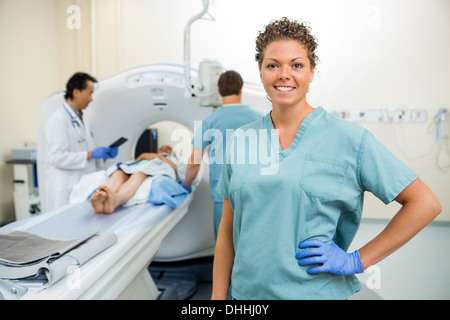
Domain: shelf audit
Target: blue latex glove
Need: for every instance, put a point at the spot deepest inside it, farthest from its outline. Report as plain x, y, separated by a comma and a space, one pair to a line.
331, 258
188, 189
104, 153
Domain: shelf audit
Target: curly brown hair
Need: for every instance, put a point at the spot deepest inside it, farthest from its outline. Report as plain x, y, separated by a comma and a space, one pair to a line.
285, 29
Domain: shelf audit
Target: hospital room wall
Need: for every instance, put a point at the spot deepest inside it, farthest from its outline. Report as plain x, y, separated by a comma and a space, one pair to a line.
28, 74
37, 55
374, 54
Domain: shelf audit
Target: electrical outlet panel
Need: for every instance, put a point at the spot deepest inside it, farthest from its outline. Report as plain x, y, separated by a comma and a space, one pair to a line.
381, 115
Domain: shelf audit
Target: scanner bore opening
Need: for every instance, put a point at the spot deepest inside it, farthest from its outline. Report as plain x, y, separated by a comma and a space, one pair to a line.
171, 133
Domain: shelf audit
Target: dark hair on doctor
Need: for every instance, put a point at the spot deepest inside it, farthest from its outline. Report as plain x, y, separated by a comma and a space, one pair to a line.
285, 29
230, 83
77, 81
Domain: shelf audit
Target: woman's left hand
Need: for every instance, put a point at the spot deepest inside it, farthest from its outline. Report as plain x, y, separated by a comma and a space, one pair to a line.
331, 258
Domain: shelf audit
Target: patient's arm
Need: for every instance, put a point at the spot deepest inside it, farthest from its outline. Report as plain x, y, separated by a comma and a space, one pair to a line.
193, 166
146, 156
151, 156
173, 165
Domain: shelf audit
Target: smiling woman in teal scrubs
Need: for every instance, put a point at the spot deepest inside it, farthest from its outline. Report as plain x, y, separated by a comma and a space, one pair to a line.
284, 232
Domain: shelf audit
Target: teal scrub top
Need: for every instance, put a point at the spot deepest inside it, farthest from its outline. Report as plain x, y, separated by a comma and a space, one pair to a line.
317, 192
212, 135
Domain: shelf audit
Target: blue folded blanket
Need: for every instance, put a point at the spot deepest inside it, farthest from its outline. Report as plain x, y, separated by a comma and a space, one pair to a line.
165, 190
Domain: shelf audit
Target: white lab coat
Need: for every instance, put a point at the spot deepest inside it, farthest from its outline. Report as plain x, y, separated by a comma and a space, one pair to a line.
67, 141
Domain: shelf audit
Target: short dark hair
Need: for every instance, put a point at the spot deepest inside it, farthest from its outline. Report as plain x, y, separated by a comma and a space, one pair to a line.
77, 81
230, 83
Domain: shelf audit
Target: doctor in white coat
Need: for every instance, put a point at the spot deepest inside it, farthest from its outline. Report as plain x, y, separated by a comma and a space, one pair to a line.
70, 150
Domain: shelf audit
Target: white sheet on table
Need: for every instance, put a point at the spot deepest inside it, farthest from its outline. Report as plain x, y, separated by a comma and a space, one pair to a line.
89, 183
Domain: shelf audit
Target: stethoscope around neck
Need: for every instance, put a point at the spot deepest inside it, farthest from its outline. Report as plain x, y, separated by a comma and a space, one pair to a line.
74, 120
75, 123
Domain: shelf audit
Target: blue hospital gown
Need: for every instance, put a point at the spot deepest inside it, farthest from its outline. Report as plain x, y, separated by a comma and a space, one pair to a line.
316, 193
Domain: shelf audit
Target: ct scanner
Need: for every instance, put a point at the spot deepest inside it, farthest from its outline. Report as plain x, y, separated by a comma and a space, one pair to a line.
126, 104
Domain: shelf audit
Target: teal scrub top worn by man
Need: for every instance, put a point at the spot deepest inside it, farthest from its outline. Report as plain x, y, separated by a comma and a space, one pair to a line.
315, 193
213, 134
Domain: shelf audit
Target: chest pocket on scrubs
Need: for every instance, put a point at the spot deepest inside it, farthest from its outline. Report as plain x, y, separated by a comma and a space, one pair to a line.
239, 177
323, 177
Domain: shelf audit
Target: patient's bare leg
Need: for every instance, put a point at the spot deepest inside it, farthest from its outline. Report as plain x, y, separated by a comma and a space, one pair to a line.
125, 192
116, 180
98, 201
129, 187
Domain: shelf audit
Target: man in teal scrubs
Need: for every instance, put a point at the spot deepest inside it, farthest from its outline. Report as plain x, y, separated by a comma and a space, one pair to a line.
211, 137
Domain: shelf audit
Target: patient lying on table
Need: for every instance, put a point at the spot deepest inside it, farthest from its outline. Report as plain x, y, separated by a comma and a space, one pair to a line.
125, 178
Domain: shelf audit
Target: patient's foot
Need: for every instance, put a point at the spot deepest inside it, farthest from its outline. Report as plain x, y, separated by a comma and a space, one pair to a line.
111, 200
98, 201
